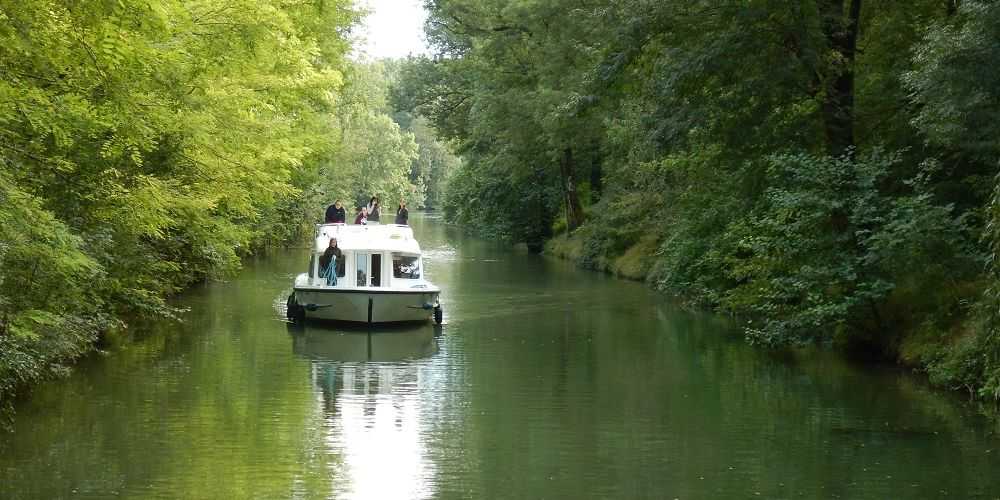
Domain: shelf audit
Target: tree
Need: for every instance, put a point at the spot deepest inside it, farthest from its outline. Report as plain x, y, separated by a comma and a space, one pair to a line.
147, 145
781, 158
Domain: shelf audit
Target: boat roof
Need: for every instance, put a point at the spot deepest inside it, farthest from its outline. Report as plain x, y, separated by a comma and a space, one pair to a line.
371, 237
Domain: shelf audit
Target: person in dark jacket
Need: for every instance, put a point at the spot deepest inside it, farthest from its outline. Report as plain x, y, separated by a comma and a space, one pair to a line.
402, 214
335, 213
334, 254
373, 209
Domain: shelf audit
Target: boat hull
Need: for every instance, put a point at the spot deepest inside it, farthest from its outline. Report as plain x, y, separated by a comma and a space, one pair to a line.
366, 306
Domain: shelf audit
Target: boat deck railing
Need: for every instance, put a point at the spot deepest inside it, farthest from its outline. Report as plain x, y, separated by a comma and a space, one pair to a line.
388, 231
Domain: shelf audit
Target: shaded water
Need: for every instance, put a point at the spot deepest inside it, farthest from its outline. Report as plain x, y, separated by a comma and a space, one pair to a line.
545, 382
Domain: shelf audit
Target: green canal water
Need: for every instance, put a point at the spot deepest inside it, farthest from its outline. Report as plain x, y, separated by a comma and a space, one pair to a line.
544, 382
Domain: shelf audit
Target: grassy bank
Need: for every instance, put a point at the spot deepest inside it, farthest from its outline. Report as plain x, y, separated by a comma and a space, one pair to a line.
634, 262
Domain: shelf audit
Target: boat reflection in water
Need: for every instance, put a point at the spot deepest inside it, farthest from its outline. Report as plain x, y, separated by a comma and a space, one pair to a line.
387, 344
368, 387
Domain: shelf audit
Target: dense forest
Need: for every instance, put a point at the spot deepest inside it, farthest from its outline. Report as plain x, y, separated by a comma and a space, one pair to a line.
825, 170
147, 145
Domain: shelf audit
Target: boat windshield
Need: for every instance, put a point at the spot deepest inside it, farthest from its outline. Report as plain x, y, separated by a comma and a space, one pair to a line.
405, 266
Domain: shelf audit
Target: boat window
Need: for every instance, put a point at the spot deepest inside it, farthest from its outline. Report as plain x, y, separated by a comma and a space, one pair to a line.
405, 267
312, 266
362, 269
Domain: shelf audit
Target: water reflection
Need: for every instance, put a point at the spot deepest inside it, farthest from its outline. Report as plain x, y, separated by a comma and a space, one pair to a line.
367, 387
384, 344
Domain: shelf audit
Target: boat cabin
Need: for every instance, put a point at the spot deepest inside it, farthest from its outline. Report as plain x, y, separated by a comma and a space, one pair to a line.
375, 256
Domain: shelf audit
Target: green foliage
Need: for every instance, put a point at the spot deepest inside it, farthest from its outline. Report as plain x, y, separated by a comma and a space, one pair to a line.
147, 145
49, 314
504, 92
43, 262
486, 200
825, 247
701, 197
957, 91
749, 140
954, 83
433, 167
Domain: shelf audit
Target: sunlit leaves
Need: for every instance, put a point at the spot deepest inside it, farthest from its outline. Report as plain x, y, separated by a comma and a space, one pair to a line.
145, 143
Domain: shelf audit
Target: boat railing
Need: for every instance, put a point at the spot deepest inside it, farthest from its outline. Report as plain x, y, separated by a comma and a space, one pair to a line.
336, 229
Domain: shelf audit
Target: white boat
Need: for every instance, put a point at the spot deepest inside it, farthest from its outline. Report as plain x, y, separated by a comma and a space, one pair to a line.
380, 278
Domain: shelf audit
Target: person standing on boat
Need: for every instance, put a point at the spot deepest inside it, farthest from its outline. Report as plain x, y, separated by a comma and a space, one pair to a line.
373, 214
402, 214
362, 217
330, 262
335, 213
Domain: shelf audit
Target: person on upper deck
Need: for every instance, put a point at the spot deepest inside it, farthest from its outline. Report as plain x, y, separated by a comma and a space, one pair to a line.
335, 213
362, 217
373, 209
402, 214
331, 262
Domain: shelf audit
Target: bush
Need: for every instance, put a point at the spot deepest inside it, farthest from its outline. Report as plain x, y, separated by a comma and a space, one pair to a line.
49, 313
828, 243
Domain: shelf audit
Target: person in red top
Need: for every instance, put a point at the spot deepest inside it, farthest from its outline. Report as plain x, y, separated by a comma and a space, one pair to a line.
362, 217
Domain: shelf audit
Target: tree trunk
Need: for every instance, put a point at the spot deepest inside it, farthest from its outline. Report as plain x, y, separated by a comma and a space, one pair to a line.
841, 29
596, 179
540, 228
951, 7
574, 212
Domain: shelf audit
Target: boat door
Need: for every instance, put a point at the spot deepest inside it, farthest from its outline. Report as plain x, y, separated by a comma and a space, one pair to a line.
369, 269
376, 269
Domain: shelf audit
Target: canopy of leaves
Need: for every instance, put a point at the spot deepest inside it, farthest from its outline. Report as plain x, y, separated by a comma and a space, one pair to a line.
823, 169
149, 144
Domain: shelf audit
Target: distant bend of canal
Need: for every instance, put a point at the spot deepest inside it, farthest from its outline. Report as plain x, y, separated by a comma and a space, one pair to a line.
544, 382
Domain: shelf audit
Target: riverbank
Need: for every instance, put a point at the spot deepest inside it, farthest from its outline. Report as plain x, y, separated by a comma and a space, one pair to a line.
55, 344
634, 263
27, 361
946, 350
